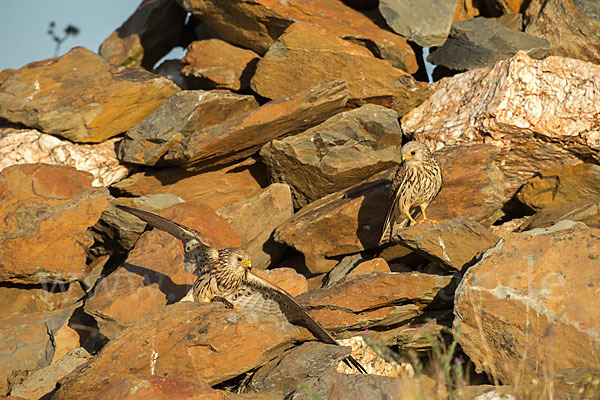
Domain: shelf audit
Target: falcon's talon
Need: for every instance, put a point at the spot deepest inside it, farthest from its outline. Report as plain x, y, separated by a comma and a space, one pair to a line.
223, 300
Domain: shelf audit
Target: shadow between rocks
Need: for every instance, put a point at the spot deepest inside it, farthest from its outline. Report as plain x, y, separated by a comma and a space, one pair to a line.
174, 292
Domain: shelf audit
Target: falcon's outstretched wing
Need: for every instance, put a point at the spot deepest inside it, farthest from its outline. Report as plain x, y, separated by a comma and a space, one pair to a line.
197, 247
266, 297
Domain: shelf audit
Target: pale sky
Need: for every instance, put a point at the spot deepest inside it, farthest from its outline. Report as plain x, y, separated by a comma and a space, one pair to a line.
24, 23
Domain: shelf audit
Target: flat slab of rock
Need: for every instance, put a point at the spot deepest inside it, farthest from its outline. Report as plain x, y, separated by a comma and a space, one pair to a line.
586, 211
242, 136
46, 211
561, 185
153, 275
376, 300
27, 341
295, 63
351, 220
265, 20
215, 188
28, 146
215, 64
117, 231
15, 300
481, 42
43, 381
335, 154
539, 113
81, 97
571, 26
148, 34
426, 23
529, 305
183, 114
256, 218
452, 244
205, 341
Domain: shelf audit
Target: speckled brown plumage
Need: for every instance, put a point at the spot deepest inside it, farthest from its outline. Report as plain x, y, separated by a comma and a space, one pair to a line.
225, 274
417, 181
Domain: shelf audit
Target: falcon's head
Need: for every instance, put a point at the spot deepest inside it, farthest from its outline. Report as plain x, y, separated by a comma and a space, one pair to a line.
414, 153
236, 260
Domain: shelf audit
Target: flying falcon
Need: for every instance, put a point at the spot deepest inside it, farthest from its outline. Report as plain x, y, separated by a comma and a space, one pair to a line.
224, 275
417, 181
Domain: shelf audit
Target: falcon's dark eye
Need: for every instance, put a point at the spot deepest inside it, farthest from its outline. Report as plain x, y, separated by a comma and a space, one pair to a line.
240, 259
412, 153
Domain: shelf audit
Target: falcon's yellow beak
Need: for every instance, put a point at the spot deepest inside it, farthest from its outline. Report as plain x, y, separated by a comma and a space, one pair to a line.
405, 157
247, 264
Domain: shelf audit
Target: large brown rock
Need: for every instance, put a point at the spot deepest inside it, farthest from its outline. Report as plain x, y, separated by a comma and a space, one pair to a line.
46, 211
350, 221
335, 154
81, 97
571, 26
153, 275
28, 146
174, 386
561, 185
150, 32
257, 24
256, 218
204, 341
215, 64
529, 306
184, 113
539, 113
27, 341
242, 136
377, 300
216, 188
452, 244
295, 63
36, 299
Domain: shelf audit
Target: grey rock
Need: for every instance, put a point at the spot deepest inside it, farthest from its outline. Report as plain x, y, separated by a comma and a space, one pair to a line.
43, 381
256, 218
117, 231
27, 341
481, 42
426, 22
336, 154
184, 113
344, 386
343, 268
309, 360
171, 69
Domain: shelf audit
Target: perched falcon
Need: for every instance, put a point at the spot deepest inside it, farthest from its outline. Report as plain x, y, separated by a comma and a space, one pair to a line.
224, 275
417, 181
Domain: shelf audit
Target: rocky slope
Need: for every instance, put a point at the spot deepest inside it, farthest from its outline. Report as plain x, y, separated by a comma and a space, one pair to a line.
279, 131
